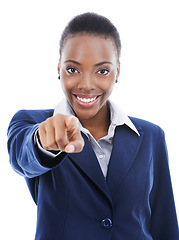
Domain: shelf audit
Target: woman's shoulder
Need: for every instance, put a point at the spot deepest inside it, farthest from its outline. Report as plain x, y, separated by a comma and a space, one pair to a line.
146, 126
33, 116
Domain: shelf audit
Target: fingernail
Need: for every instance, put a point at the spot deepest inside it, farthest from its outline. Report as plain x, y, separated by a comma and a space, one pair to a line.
70, 148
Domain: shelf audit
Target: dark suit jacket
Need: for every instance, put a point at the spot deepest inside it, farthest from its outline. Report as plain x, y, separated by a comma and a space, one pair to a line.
74, 200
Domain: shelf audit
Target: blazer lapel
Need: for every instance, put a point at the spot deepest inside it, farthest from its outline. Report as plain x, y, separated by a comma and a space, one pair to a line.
125, 148
88, 163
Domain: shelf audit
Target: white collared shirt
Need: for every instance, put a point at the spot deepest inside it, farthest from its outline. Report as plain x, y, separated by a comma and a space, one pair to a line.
103, 146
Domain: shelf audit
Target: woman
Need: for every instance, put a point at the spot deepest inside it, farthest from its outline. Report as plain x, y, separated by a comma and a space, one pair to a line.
93, 172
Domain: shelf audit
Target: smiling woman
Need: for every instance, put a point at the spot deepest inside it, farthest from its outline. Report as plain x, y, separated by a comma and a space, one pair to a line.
88, 69
93, 172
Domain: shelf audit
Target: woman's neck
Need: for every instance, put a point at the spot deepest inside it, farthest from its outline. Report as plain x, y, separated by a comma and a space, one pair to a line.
98, 125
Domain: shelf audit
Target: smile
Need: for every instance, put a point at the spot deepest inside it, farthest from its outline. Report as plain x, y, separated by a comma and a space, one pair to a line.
86, 100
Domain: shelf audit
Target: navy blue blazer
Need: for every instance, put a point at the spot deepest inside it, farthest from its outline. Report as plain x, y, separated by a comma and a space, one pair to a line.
75, 201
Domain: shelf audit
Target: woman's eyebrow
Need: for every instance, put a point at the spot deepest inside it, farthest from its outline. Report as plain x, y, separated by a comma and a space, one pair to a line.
101, 63
72, 61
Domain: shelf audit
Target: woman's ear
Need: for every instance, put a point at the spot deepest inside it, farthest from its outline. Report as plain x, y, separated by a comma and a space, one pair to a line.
58, 68
118, 70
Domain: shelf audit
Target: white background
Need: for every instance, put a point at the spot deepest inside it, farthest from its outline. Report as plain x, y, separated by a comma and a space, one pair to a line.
147, 88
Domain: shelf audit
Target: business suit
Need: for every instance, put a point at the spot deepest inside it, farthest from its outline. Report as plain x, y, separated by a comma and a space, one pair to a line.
74, 200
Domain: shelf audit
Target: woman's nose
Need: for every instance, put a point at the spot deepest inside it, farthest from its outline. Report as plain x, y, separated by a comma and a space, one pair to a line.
86, 82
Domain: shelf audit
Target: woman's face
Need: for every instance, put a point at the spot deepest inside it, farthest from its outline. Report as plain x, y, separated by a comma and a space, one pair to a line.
88, 69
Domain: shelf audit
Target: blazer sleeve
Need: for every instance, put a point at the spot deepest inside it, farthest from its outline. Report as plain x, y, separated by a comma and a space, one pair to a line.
25, 157
163, 223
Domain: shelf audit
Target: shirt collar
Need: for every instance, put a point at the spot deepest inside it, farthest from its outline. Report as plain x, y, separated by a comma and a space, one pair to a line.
118, 117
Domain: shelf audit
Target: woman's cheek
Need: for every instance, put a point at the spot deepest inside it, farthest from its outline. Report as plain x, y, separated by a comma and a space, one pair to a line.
108, 84
66, 81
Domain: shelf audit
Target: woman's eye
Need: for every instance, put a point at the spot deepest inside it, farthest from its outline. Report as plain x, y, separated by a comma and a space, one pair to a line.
72, 70
103, 71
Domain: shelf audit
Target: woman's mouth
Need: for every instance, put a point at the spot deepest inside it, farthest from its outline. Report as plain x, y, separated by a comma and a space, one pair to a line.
86, 101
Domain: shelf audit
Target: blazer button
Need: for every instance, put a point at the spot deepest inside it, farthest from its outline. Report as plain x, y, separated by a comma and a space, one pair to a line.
106, 223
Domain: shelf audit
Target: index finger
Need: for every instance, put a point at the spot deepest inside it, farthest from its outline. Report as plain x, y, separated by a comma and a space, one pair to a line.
72, 123
75, 139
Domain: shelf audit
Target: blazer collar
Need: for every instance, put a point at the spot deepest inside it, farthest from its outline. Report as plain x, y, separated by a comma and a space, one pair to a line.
125, 148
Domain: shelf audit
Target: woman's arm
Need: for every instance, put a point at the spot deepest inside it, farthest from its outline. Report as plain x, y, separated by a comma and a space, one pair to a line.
25, 157
56, 133
163, 223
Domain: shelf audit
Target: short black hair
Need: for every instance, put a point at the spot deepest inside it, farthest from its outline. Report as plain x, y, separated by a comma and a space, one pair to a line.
94, 24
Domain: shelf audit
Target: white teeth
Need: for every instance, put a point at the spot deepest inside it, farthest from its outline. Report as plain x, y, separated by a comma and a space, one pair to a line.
86, 100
